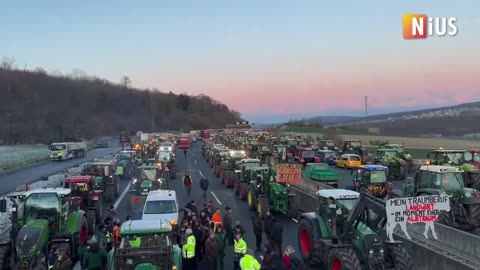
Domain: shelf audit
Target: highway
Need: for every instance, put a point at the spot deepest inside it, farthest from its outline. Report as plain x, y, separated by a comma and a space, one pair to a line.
9, 181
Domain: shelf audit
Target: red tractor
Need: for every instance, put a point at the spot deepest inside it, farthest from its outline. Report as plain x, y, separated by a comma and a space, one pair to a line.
86, 198
303, 155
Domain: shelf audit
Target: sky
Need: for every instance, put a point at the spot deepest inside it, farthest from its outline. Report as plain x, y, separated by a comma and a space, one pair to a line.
271, 60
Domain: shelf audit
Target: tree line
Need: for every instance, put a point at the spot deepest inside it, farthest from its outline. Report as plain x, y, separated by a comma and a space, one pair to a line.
37, 107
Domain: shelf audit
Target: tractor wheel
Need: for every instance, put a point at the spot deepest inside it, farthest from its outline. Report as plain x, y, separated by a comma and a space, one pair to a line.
446, 219
108, 193
92, 221
98, 211
173, 171
474, 214
309, 251
292, 207
236, 186
475, 180
398, 258
242, 191
5, 256
228, 179
343, 259
263, 206
252, 198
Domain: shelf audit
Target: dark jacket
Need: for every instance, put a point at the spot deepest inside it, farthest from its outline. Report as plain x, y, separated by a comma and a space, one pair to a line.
227, 222
257, 225
40, 266
268, 223
220, 242
267, 261
204, 183
277, 232
241, 229
95, 258
211, 249
65, 264
277, 262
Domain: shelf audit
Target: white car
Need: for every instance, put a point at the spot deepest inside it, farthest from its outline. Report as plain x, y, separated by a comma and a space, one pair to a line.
161, 205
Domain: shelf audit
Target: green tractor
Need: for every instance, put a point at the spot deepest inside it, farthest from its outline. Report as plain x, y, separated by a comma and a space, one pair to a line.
372, 179
82, 187
344, 234
265, 194
218, 158
42, 220
243, 176
461, 159
228, 167
464, 202
166, 156
148, 178
212, 152
104, 179
125, 162
402, 153
326, 144
397, 167
145, 245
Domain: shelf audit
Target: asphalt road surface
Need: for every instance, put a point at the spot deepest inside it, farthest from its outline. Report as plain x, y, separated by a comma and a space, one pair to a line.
11, 180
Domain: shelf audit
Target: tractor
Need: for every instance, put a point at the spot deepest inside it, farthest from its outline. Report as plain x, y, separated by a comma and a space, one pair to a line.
264, 152
326, 144
243, 176
356, 147
146, 245
228, 166
212, 152
265, 193
345, 232
303, 155
402, 153
279, 152
42, 220
397, 167
125, 162
104, 179
166, 156
464, 202
463, 160
218, 158
82, 189
148, 178
372, 179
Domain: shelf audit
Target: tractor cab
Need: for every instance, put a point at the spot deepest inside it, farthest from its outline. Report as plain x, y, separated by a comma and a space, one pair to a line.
328, 144
148, 178
435, 179
472, 157
105, 179
334, 206
387, 153
447, 157
246, 166
145, 244
306, 155
351, 146
397, 147
372, 179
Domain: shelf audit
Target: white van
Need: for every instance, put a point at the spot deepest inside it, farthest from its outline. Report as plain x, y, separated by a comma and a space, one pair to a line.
161, 205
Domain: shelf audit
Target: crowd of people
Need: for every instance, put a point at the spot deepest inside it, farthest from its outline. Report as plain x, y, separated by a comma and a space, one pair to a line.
208, 235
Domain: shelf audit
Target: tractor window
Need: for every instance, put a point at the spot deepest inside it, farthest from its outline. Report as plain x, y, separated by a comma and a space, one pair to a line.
42, 205
308, 154
449, 181
389, 154
355, 144
163, 155
378, 177
346, 204
354, 158
57, 147
426, 180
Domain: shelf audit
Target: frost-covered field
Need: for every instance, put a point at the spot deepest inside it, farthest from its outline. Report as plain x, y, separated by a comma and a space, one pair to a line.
15, 156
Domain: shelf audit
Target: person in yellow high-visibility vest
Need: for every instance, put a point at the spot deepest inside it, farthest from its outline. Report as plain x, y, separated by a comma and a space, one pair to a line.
240, 248
188, 251
248, 262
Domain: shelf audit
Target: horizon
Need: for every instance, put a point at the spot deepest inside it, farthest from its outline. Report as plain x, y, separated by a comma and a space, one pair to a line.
272, 60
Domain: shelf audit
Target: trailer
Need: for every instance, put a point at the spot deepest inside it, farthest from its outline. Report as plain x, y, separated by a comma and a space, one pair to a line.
67, 150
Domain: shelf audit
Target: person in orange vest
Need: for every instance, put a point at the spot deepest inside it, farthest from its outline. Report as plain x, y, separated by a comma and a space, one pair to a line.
217, 218
116, 231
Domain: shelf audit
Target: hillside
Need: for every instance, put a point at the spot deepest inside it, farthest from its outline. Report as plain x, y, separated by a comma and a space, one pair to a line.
39, 108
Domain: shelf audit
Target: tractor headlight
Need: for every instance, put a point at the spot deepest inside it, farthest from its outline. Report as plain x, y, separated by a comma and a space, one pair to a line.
134, 180
370, 251
381, 250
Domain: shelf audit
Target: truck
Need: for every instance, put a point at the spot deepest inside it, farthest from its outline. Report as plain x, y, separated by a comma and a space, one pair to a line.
184, 141
67, 150
321, 172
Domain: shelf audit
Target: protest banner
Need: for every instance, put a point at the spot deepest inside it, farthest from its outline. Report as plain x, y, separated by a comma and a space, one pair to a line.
289, 173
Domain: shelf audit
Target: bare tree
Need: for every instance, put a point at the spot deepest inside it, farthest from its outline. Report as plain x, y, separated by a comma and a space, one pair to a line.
7, 63
125, 81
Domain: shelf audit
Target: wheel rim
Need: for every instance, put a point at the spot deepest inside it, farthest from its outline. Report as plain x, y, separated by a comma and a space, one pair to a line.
305, 243
83, 234
336, 264
249, 198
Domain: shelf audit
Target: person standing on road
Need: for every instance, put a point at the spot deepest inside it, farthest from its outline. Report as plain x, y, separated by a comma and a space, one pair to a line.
239, 229
217, 218
185, 151
267, 225
239, 249
248, 262
220, 241
286, 257
211, 251
277, 237
94, 258
188, 252
187, 183
257, 230
204, 186
227, 225
193, 207
267, 257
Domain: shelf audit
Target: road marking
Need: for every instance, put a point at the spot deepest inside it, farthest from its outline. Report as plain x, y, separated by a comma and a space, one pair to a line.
295, 220
200, 172
121, 197
193, 154
215, 196
410, 178
195, 161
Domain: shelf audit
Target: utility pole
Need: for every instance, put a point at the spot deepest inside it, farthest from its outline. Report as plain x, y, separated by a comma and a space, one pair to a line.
366, 108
